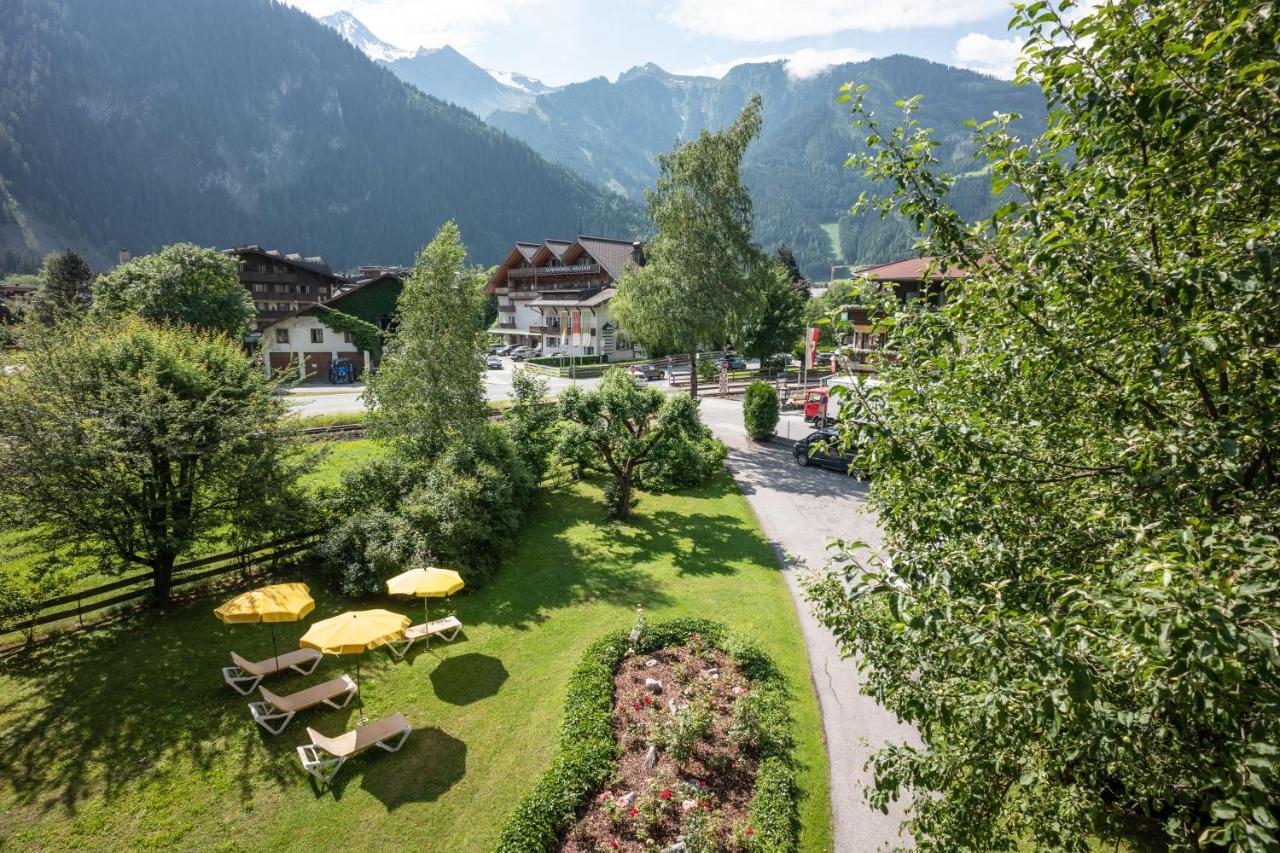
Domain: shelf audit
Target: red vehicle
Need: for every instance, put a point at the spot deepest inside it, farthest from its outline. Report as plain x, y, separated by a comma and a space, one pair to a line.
815, 407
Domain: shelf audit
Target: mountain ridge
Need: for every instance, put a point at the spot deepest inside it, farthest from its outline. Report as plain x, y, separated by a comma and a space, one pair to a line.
137, 123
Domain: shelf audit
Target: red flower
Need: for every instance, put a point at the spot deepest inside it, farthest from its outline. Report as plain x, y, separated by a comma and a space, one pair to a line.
693, 637
613, 844
635, 812
750, 831
666, 794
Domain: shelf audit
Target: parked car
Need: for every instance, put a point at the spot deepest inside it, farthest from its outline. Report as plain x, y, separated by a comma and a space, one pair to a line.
736, 362
823, 358
653, 371
824, 448
493, 362
521, 353
781, 359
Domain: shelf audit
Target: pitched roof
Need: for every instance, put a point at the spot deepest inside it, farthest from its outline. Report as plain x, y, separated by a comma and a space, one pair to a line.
911, 269
314, 264
612, 254
527, 250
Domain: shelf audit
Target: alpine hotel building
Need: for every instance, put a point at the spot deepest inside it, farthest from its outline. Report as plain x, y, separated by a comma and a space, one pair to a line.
555, 295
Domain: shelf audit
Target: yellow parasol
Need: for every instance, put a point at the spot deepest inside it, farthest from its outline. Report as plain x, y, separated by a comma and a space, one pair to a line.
426, 584
280, 602
352, 632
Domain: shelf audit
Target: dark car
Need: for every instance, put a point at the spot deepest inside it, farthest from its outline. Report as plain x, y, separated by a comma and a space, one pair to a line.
735, 362
824, 448
653, 371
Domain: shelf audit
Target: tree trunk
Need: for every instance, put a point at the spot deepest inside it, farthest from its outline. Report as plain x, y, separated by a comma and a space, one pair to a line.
162, 577
693, 374
623, 510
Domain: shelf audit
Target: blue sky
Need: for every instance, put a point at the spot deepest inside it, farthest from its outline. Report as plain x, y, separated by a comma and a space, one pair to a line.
562, 41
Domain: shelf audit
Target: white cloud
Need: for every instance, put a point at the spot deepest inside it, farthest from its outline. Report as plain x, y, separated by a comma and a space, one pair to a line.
770, 20
806, 62
423, 23
991, 55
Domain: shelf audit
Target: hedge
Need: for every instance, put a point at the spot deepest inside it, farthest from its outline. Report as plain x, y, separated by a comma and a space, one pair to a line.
588, 752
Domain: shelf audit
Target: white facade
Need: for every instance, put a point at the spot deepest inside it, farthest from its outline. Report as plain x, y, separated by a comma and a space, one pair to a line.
312, 345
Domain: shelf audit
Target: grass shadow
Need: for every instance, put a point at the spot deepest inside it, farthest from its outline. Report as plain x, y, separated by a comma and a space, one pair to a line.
468, 678
431, 762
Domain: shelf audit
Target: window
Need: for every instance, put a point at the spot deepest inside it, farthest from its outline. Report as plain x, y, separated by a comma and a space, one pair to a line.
304, 288
262, 306
317, 336
259, 288
346, 337
282, 336
282, 306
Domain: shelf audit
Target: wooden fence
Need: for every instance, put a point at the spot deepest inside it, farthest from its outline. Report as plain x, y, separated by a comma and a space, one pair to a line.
87, 601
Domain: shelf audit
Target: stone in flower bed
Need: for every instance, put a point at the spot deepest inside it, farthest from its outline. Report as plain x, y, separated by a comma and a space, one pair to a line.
700, 790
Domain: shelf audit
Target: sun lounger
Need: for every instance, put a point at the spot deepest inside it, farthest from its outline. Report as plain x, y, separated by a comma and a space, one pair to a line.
324, 756
275, 712
246, 674
446, 628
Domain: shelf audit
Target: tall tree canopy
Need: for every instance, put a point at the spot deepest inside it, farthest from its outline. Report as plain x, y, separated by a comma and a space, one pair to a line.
705, 276
62, 280
1075, 461
133, 442
181, 283
430, 387
778, 324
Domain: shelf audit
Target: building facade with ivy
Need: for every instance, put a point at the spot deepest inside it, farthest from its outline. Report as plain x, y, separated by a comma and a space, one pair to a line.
347, 327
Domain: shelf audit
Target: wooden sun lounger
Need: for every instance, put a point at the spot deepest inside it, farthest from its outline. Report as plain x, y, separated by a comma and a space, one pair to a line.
275, 712
246, 674
324, 756
446, 628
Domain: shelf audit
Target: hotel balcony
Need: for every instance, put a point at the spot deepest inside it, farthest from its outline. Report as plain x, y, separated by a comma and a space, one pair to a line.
554, 272
506, 309
545, 330
507, 324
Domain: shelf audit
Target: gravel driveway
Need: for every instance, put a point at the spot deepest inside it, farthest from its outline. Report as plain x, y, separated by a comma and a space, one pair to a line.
800, 510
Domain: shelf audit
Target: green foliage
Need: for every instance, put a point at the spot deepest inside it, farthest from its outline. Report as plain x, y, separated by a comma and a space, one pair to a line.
705, 277
181, 283
364, 335
133, 442
62, 280
429, 388
460, 509
530, 423
588, 751
760, 410
637, 436
1077, 457
779, 322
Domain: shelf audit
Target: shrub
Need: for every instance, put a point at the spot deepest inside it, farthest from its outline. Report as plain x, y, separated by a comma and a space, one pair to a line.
588, 751
760, 410
366, 548
460, 510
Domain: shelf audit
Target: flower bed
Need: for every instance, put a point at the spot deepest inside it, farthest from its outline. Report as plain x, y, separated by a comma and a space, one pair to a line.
722, 778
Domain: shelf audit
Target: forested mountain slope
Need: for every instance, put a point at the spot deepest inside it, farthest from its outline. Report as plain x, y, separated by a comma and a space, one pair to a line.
611, 133
136, 123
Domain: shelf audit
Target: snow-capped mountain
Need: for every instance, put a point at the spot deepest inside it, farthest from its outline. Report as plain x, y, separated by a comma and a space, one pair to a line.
354, 31
443, 72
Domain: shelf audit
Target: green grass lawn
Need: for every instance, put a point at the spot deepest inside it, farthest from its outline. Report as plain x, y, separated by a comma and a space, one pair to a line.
124, 736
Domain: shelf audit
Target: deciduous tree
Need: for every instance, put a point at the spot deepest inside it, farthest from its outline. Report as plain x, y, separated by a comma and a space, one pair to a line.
430, 384
181, 283
1075, 461
705, 276
624, 431
133, 442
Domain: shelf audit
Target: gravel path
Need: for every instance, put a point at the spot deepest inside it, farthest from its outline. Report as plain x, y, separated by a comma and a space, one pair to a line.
800, 510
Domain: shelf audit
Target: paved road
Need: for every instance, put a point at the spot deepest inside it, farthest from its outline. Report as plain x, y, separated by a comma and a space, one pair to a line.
334, 399
800, 510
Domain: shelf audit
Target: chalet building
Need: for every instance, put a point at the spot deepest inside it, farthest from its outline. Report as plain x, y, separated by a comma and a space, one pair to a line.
555, 295
283, 285
310, 339
17, 296
910, 280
